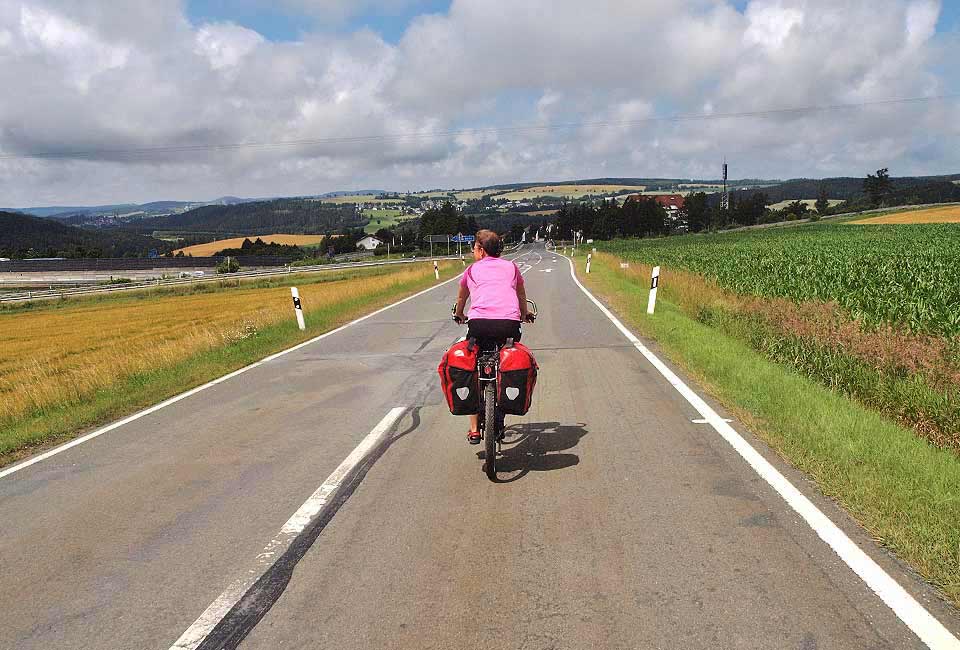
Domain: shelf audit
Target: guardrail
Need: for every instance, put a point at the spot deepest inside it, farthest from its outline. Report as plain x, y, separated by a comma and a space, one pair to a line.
56, 294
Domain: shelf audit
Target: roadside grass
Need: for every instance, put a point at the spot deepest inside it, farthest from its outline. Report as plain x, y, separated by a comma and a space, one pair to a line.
902, 489
911, 378
66, 368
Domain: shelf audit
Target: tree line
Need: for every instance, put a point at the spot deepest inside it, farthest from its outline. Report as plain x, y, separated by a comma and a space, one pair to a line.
23, 236
295, 216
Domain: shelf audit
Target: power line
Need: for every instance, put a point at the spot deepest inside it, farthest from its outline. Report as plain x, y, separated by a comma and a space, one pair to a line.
414, 135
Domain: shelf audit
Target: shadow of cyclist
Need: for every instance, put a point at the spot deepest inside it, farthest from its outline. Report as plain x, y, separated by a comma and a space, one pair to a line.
535, 447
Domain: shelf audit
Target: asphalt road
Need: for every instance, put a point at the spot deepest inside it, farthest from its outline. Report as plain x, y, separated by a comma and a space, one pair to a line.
618, 522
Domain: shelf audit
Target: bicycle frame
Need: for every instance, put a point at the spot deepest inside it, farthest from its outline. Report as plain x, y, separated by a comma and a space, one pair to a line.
488, 366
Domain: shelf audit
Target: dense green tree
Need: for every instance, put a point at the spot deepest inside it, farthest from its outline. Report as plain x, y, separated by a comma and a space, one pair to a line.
749, 210
796, 210
695, 212
606, 221
653, 218
877, 187
823, 203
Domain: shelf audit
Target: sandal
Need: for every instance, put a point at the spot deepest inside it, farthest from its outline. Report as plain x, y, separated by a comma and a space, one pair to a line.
473, 437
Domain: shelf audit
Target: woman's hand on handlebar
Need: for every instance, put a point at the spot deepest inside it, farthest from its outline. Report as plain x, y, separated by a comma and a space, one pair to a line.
459, 319
529, 317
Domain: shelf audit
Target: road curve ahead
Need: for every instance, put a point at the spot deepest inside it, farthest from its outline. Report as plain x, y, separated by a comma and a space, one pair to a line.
618, 521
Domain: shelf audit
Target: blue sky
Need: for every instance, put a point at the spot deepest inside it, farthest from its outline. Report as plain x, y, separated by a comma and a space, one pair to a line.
278, 23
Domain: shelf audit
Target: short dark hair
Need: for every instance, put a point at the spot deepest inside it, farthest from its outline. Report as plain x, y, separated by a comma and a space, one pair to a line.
490, 242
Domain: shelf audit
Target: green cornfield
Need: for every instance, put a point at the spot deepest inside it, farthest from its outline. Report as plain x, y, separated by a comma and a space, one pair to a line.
905, 276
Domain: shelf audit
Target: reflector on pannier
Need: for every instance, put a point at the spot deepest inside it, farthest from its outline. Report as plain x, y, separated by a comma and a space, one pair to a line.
459, 379
517, 379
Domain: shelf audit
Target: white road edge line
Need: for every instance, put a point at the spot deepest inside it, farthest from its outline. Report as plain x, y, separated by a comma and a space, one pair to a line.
312, 508
193, 391
914, 616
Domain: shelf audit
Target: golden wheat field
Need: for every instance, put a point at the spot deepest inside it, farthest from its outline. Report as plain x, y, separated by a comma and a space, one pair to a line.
569, 191
214, 247
946, 214
61, 355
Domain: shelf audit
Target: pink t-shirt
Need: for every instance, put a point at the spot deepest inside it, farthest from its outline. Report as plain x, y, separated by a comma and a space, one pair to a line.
493, 283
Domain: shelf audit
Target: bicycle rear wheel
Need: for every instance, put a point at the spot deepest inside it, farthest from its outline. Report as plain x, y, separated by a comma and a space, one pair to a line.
490, 432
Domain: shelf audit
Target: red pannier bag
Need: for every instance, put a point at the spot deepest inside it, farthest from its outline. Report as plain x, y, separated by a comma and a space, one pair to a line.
516, 380
459, 378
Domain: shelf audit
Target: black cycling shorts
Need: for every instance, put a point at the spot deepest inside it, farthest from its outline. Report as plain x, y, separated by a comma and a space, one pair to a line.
493, 330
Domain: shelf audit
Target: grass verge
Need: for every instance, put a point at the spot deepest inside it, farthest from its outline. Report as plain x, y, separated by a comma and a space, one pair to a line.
900, 488
87, 380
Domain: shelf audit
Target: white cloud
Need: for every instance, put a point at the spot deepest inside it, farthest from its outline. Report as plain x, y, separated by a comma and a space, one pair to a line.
225, 44
84, 76
921, 21
771, 25
71, 45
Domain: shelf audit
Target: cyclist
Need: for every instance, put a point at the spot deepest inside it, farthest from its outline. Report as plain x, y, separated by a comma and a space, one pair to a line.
498, 301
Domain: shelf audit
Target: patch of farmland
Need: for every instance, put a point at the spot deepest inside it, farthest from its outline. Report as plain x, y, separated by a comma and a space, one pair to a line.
567, 191
905, 276
945, 214
360, 198
470, 195
810, 203
214, 247
383, 218
702, 187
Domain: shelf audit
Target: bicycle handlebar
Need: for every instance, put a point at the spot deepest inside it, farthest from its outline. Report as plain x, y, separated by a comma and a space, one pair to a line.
531, 314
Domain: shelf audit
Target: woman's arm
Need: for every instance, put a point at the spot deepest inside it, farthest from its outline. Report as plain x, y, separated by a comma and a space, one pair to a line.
461, 302
522, 297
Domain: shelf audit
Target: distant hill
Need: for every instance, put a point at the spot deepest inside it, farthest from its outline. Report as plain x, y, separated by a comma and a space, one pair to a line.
294, 216
65, 212
639, 182
846, 188
910, 190
52, 210
28, 236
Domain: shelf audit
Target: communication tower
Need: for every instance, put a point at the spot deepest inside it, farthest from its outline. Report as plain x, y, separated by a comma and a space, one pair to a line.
725, 197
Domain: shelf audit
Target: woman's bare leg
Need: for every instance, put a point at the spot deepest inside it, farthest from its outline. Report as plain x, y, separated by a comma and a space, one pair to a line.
474, 422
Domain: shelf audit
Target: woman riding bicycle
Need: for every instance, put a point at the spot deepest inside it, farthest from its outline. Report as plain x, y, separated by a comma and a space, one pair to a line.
498, 301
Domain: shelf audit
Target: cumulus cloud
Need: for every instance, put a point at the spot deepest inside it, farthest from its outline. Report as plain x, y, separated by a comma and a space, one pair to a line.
226, 44
141, 96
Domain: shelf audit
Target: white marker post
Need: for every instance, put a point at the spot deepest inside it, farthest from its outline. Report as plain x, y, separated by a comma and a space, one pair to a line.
436, 269
589, 257
654, 281
297, 308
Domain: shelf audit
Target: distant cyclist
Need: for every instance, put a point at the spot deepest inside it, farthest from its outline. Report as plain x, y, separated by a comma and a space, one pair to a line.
498, 301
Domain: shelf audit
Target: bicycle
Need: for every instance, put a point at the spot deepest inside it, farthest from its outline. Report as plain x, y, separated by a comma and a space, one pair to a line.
488, 366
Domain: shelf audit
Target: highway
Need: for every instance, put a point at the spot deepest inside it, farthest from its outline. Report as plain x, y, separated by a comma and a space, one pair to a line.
211, 276
620, 519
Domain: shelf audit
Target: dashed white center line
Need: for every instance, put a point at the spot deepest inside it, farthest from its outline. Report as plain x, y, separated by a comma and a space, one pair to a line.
319, 502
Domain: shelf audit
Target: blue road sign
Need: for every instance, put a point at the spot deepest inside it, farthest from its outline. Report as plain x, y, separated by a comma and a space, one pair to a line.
462, 238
